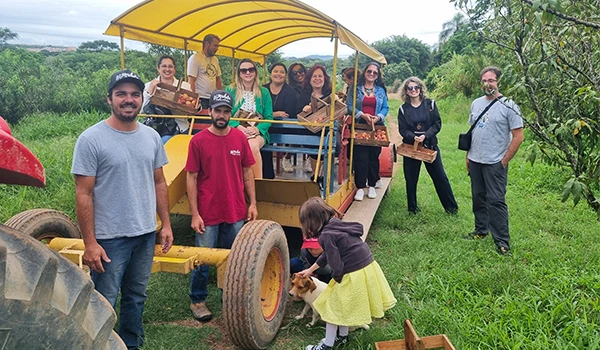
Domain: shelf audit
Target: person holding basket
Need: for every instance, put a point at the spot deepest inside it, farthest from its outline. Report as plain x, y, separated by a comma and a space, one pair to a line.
419, 121
371, 108
252, 101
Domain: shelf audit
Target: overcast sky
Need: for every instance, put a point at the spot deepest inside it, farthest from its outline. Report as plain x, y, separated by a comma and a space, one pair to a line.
71, 22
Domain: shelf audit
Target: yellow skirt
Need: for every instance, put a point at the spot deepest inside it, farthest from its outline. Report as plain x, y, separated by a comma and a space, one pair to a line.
361, 295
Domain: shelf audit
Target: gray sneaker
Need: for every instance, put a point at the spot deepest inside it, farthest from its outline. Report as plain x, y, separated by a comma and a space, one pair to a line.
201, 312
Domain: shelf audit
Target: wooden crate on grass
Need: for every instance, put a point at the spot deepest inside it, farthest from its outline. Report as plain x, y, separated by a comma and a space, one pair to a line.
320, 113
416, 151
367, 135
413, 342
179, 101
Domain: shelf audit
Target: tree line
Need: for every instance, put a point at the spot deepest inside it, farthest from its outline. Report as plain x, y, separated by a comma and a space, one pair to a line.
547, 50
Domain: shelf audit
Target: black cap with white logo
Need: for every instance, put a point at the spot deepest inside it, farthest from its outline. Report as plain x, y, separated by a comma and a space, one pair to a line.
220, 98
125, 76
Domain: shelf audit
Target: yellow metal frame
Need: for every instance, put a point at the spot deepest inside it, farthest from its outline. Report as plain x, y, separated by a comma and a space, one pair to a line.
179, 259
249, 29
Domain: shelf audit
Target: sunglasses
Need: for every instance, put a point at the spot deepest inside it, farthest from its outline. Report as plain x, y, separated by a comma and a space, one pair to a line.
413, 88
373, 72
247, 70
297, 72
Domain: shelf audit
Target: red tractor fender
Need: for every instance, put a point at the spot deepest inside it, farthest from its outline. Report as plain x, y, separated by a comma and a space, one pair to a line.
18, 165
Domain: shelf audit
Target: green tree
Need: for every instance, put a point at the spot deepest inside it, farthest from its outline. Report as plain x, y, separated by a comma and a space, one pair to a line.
452, 26
553, 72
7, 35
398, 49
397, 71
98, 45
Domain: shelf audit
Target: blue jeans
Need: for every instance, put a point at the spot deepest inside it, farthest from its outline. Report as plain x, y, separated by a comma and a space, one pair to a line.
128, 270
223, 232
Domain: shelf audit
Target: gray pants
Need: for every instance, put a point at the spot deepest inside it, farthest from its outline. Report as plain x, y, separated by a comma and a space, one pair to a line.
488, 189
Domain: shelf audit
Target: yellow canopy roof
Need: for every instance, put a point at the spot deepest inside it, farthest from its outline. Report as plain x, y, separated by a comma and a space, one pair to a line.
247, 28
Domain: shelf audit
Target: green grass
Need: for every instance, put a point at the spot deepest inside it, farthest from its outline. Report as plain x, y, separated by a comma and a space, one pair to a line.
546, 296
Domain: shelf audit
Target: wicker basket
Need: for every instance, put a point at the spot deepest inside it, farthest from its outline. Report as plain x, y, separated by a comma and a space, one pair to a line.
366, 135
416, 151
172, 97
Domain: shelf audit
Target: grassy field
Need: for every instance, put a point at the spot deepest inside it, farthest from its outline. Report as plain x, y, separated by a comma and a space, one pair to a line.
546, 296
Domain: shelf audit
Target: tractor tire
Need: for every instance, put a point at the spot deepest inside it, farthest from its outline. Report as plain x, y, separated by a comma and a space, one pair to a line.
44, 224
47, 302
256, 282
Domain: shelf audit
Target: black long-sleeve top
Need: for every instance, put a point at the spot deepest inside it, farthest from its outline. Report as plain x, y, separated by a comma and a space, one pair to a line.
285, 100
422, 120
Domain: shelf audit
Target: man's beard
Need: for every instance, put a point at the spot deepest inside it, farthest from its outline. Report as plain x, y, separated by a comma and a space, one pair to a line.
489, 91
123, 118
220, 127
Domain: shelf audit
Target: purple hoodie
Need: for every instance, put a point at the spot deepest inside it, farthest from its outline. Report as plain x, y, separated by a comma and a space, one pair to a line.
343, 248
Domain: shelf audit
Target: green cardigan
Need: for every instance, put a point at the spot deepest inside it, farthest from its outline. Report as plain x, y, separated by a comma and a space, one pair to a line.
264, 106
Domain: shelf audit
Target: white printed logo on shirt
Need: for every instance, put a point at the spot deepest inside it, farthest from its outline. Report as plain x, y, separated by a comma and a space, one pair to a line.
235, 152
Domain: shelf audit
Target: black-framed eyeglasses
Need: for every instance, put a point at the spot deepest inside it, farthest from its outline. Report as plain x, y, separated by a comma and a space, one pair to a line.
247, 70
298, 71
373, 72
413, 88
489, 81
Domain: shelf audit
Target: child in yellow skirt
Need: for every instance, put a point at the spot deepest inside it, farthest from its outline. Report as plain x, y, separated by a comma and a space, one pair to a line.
358, 291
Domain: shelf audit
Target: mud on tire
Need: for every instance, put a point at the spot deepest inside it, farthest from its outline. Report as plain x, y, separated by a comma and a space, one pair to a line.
47, 302
256, 282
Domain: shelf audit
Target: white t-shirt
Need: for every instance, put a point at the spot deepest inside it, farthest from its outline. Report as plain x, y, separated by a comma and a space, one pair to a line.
206, 70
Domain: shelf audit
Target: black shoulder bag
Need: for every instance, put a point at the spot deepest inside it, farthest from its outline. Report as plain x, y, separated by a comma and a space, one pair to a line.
464, 139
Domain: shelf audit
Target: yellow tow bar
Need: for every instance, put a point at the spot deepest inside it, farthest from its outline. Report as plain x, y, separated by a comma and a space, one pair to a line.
179, 259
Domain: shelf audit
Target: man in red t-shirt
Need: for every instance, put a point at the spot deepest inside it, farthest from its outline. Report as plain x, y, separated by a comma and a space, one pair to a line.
218, 174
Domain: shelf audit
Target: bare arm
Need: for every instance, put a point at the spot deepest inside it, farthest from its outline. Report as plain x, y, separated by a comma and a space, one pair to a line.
162, 208
84, 194
219, 83
518, 137
192, 81
192, 193
251, 193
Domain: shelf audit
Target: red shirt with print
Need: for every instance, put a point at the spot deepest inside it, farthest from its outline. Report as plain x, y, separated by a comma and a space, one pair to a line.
219, 162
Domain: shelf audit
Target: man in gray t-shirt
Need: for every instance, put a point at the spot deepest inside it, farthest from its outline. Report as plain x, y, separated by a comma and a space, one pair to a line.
120, 187
494, 142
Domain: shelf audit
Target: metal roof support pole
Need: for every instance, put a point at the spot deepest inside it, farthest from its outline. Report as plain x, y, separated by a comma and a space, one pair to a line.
185, 59
331, 120
265, 72
122, 48
233, 77
351, 177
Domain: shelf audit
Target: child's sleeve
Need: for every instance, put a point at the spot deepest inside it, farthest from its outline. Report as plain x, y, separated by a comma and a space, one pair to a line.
333, 257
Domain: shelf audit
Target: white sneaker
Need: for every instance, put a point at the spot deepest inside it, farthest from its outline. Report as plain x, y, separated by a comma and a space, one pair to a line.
287, 165
379, 184
360, 195
372, 193
307, 166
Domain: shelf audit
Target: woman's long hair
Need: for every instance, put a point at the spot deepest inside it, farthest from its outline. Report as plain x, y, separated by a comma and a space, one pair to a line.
326, 80
239, 84
314, 214
291, 79
422, 92
378, 81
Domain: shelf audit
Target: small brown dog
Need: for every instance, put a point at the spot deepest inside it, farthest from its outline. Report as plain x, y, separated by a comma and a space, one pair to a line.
307, 289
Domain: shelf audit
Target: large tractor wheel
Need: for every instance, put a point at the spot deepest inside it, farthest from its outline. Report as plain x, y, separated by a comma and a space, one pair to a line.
47, 302
44, 224
257, 276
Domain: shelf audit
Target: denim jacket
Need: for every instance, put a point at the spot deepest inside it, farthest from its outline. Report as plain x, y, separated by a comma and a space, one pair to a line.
381, 109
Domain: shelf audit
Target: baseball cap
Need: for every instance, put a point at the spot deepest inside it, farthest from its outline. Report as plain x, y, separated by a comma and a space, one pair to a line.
311, 243
125, 76
220, 98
